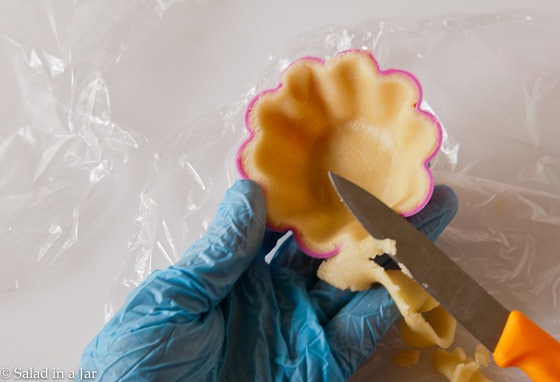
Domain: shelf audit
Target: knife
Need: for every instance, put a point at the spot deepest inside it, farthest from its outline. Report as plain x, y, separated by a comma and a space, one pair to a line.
512, 337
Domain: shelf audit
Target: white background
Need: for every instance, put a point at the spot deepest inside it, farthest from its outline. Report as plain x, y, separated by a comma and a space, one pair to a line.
192, 59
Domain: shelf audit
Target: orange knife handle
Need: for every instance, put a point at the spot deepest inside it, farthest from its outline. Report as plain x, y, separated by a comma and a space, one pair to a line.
525, 345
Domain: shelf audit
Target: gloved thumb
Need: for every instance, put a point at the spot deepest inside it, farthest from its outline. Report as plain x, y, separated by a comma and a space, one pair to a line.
213, 264
354, 332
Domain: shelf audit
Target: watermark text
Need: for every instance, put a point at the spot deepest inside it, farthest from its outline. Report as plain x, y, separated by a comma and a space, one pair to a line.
46, 374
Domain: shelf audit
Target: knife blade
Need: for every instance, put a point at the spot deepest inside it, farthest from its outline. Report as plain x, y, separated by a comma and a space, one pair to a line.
512, 337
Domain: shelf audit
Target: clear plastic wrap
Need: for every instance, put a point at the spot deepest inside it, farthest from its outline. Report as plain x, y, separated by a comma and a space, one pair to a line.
494, 82
58, 139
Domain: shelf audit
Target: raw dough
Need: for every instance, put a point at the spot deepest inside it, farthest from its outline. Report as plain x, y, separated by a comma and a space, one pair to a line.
457, 367
407, 358
425, 323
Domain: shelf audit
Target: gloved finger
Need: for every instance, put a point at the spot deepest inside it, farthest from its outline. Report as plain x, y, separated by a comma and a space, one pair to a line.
271, 239
328, 300
325, 299
354, 332
437, 214
214, 262
290, 256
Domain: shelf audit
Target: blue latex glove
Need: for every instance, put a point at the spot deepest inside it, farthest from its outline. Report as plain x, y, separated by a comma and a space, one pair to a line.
223, 313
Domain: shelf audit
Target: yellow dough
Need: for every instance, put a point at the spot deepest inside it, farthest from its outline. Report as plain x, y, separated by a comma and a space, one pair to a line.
457, 367
406, 358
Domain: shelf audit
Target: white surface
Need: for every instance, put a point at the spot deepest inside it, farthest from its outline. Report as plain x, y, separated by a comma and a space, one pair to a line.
179, 67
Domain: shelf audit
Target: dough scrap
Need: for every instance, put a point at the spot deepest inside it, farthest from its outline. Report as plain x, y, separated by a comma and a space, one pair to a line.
457, 367
406, 358
425, 323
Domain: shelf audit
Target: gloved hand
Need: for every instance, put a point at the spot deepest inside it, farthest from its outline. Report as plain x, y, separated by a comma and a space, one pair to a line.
223, 313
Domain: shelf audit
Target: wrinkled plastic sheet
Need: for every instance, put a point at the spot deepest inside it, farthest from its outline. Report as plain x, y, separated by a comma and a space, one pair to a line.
58, 140
493, 80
